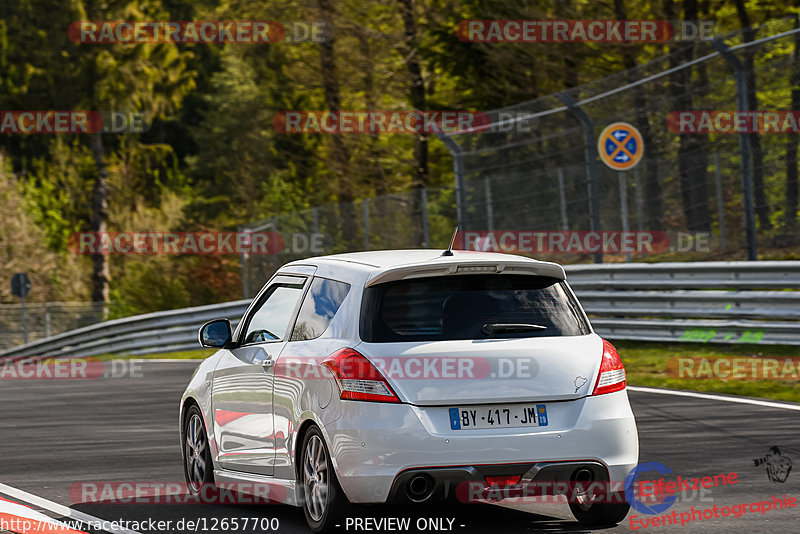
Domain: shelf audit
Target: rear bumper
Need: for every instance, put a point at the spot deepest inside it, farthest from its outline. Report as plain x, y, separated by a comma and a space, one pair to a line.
375, 446
468, 483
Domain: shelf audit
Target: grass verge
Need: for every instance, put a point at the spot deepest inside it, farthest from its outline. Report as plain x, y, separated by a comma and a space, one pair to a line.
646, 365
199, 354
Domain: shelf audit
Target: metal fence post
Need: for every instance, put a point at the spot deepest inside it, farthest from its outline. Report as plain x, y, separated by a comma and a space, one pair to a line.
425, 231
46, 320
487, 189
740, 75
365, 215
273, 222
243, 256
623, 204
458, 172
562, 197
639, 198
591, 164
24, 321
720, 203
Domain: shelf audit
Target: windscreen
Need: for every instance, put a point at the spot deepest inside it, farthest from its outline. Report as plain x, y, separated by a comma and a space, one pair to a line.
469, 307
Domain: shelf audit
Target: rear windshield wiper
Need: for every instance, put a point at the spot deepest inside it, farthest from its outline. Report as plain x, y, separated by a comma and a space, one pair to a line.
497, 328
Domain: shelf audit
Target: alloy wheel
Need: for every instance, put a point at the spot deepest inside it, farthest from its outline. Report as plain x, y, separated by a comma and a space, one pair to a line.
315, 478
196, 444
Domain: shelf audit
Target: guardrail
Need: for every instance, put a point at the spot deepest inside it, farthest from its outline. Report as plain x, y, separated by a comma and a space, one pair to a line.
725, 302
720, 302
687, 275
167, 331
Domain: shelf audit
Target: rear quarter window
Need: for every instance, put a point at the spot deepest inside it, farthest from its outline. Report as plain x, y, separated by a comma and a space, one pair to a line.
459, 307
323, 300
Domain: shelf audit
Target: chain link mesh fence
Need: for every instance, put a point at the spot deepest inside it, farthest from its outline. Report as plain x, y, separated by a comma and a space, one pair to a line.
416, 219
535, 175
530, 171
44, 319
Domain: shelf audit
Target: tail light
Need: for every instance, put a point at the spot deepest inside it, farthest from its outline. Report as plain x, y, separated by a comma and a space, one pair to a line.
612, 372
502, 481
358, 378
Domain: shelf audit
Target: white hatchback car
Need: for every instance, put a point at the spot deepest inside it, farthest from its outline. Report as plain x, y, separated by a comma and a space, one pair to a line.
387, 376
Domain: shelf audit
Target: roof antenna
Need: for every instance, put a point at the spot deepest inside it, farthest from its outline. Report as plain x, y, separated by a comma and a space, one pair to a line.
449, 251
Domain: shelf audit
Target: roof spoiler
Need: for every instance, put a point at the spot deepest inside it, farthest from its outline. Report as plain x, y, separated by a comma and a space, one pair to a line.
448, 265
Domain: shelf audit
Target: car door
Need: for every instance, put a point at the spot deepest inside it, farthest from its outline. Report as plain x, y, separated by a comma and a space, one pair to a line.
242, 385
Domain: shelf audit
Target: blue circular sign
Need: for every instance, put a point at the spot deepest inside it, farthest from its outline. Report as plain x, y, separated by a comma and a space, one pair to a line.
620, 146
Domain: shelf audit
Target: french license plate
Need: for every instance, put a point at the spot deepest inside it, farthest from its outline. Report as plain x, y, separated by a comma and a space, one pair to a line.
498, 416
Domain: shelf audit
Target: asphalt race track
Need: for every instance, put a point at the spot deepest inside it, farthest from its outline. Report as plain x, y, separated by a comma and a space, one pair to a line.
56, 433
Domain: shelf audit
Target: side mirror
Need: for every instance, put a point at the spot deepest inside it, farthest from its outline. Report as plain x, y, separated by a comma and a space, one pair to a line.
215, 334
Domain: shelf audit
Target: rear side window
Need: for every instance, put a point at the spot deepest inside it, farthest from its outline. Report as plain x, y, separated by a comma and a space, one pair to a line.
322, 301
461, 307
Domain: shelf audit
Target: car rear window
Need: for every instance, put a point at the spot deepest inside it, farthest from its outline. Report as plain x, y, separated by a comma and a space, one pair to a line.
459, 307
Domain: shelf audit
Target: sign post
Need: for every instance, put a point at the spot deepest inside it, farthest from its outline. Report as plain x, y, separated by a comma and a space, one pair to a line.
621, 147
20, 287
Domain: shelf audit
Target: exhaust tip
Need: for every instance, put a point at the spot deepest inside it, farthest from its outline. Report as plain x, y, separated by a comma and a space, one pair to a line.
583, 476
420, 488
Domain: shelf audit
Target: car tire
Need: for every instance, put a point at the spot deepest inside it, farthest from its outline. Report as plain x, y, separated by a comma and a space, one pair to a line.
598, 514
324, 502
198, 467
